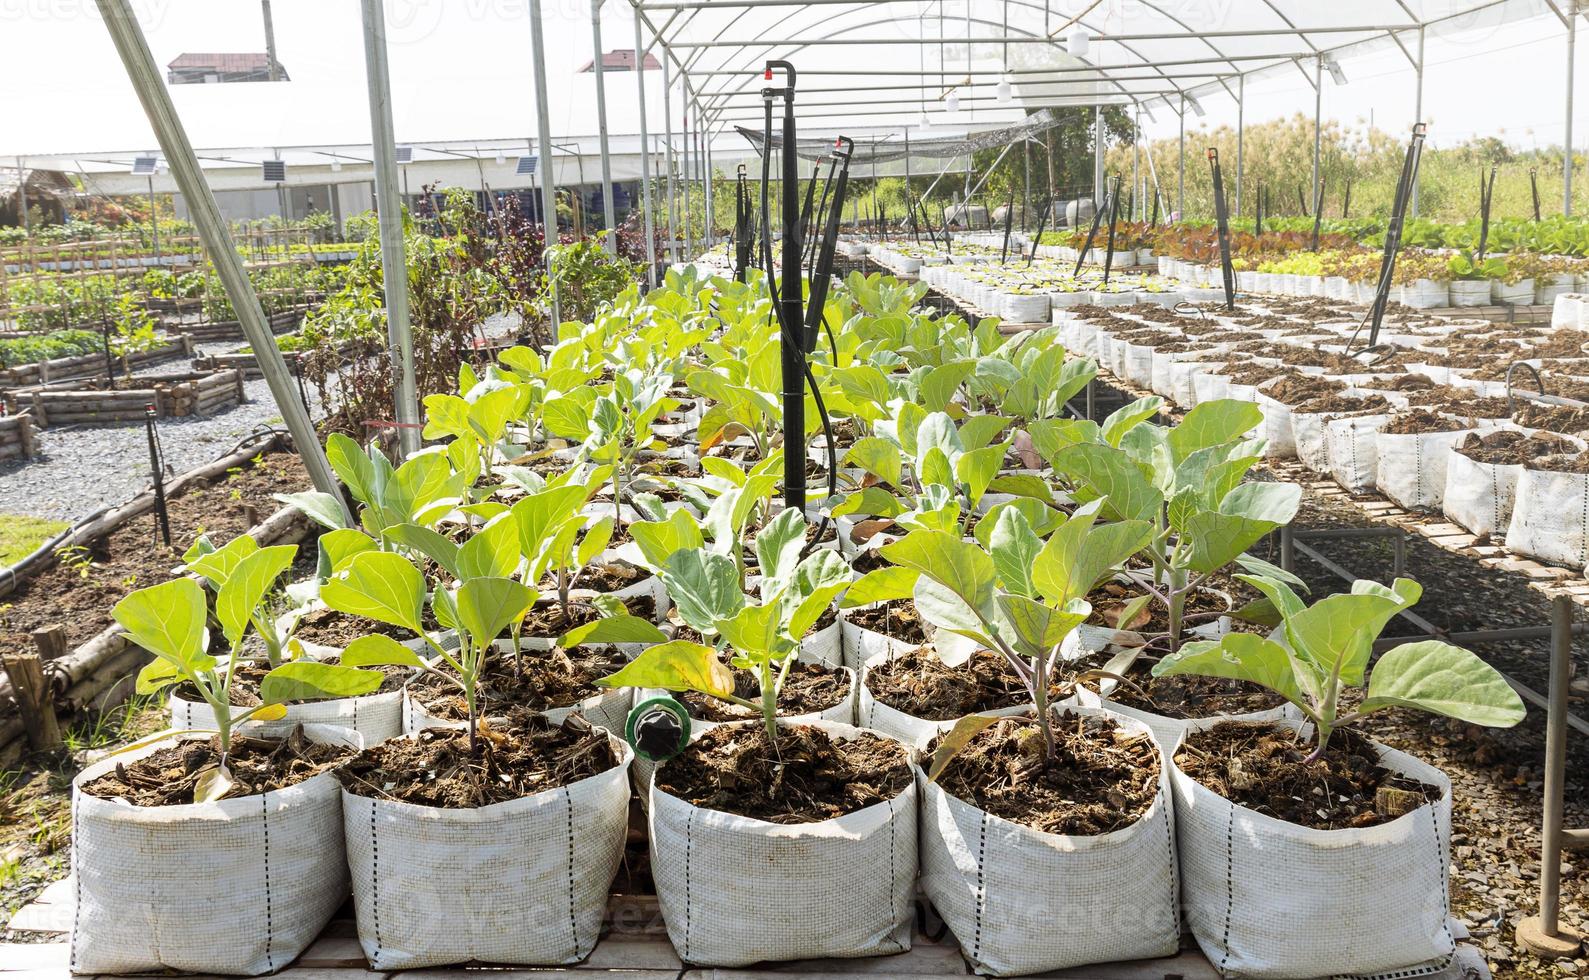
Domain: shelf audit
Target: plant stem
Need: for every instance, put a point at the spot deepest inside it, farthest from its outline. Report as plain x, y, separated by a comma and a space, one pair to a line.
769, 701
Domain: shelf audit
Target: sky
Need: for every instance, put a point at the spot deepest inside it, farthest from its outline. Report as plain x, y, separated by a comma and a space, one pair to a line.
461, 70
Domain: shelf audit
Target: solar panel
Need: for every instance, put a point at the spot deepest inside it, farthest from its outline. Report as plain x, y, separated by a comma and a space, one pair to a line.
144, 166
526, 166
405, 154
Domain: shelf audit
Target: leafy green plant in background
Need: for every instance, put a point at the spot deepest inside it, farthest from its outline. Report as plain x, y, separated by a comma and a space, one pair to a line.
1325, 650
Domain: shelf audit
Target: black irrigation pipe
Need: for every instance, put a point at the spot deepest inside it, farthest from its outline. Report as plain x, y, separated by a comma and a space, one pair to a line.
1318, 213
1222, 221
1486, 196
1533, 185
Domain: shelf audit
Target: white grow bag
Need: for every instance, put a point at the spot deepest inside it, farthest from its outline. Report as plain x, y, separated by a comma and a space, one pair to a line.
1023, 901
1550, 517
376, 717
1412, 467
817, 890
1267, 898
239, 887
1352, 445
521, 882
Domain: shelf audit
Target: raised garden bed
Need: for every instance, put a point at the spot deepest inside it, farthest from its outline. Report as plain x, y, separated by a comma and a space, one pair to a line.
281, 321
17, 440
87, 365
201, 393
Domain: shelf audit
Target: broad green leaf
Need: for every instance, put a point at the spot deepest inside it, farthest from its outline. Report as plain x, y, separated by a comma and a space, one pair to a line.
381, 586
1050, 436
217, 564
353, 466
879, 457
978, 468
778, 546
567, 417
622, 628
597, 537
379, 650
1034, 629
962, 568
491, 412
942, 607
492, 551
157, 675
1079, 553
873, 501
1014, 547
940, 384
1341, 629
937, 431
704, 586
1107, 472
1285, 602
1023, 485
1213, 423
1127, 417
978, 431
1245, 657
678, 665
756, 632
1445, 680
322, 508
659, 540
817, 581
247, 586
309, 680
954, 741
341, 545
540, 514
445, 415
487, 606
167, 620
433, 545
881, 585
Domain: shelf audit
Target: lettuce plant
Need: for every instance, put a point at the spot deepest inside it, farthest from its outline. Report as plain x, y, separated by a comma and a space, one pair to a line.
169, 620
1021, 596
1187, 480
1324, 649
763, 636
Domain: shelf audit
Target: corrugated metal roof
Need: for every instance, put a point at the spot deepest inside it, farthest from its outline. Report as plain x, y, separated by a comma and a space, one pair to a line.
233, 61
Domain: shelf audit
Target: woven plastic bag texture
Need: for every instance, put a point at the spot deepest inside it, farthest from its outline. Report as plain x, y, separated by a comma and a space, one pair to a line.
1550, 517
736, 891
1412, 467
239, 887
1021, 901
1269, 899
1479, 496
1353, 447
376, 717
521, 882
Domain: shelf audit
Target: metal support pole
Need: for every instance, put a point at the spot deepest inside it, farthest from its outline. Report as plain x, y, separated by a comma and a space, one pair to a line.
206, 217
394, 257
1566, 162
1318, 122
1543, 934
1097, 155
1180, 193
272, 66
667, 118
1241, 136
22, 196
706, 177
611, 226
688, 171
1136, 164
1417, 112
645, 155
543, 134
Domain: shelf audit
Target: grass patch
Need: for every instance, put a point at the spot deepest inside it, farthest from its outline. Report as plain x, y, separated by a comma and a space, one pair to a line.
21, 536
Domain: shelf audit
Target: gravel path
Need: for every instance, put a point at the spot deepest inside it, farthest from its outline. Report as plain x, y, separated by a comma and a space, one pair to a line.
82, 468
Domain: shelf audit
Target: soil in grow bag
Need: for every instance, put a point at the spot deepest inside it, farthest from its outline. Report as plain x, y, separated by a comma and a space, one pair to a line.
1108, 600
607, 578
921, 685
548, 618
807, 689
1561, 463
331, 628
540, 681
1509, 447
248, 675
1300, 388
1338, 404
1100, 779
805, 777
1188, 697
1420, 421
1377, 364
1460, 401
167, 776
898, 620
1556, 418
870, 560
1254, 374
1405, 382
436, 768
1262, 767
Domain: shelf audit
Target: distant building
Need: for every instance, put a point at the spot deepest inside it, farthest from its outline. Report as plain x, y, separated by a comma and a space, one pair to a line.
622, 59
211, 69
